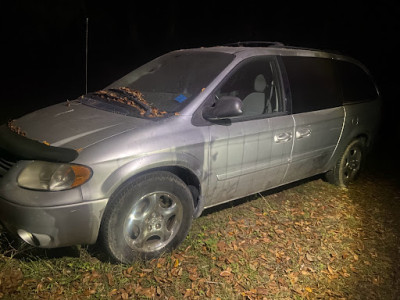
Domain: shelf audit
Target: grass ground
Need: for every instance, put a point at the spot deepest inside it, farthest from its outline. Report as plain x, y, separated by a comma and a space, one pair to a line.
309, 240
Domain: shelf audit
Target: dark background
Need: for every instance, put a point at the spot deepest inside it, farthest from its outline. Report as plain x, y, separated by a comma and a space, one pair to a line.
44, 42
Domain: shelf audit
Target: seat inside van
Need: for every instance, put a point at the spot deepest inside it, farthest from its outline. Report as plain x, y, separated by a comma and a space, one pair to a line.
258, 102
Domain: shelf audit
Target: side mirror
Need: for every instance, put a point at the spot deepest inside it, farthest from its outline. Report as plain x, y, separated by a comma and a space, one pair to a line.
225, 107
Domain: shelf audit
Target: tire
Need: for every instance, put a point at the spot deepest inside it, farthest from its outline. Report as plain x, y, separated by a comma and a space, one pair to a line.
348, 166
146, 217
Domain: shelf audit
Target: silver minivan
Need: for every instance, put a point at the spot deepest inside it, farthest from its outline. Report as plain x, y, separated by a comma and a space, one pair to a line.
131, 165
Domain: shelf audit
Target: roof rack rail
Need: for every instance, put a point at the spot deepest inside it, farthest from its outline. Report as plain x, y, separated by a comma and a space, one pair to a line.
277, 44
313, 49
254, 44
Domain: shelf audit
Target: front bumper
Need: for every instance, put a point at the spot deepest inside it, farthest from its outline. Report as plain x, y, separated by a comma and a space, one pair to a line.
56, 226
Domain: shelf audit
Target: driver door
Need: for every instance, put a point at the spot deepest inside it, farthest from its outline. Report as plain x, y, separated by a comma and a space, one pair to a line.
252, 153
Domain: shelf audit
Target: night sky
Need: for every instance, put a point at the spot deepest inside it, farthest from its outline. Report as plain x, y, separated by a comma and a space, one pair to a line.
44, 41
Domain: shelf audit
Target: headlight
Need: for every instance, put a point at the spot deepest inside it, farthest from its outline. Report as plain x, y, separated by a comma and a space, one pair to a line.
41, 175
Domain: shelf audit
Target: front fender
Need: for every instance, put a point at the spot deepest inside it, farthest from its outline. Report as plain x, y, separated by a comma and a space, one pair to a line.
152, 162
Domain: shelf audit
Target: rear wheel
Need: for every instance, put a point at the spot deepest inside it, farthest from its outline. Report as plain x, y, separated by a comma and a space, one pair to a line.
348, 166
147, 217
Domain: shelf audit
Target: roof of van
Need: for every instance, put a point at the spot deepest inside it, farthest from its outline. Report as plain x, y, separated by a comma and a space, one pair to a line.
276, 48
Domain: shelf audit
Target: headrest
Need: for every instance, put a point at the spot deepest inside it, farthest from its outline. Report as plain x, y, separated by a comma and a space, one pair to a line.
260, 83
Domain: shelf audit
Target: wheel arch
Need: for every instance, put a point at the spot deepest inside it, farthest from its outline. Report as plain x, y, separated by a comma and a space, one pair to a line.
186, 175
344, 142
185, 167
363, 137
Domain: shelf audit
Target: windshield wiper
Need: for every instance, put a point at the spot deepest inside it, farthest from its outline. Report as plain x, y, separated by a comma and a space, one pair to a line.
128, 97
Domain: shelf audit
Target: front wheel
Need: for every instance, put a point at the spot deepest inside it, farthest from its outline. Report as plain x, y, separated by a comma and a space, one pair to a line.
348, 166
148, 216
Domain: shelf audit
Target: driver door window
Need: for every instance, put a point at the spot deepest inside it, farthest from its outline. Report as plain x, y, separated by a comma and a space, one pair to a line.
255, 82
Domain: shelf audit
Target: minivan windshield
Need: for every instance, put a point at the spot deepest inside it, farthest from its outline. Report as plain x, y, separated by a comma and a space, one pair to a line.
166, 84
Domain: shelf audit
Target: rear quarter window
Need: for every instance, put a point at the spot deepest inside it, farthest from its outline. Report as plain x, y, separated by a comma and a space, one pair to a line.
313, 85
357, 85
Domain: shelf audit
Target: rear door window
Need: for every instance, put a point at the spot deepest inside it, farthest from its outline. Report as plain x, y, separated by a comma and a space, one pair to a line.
357, 85
313, 84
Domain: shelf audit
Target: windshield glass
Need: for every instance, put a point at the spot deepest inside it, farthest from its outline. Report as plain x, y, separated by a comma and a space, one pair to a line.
167, 83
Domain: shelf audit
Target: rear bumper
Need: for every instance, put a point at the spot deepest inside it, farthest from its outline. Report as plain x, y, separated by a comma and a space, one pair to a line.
57, 226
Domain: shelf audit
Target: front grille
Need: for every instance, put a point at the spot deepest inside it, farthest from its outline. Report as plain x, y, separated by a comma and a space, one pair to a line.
5, 165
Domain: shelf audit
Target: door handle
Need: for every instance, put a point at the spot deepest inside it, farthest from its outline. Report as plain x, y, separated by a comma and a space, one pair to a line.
304, 132
283, 137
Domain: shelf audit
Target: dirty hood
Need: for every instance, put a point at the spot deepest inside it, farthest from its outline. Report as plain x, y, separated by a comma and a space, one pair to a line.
74, 125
